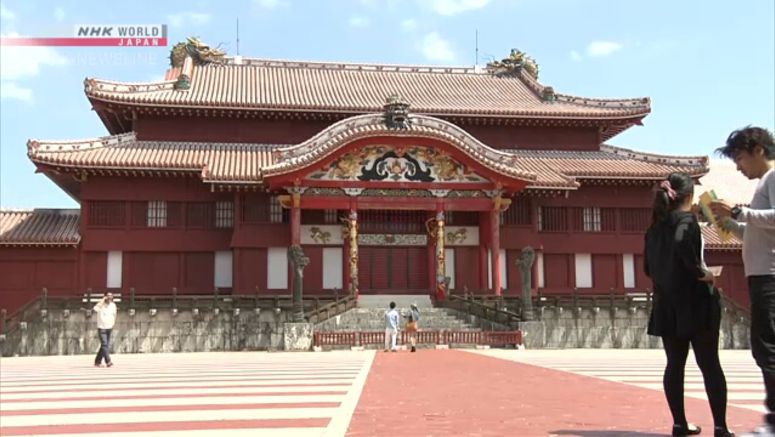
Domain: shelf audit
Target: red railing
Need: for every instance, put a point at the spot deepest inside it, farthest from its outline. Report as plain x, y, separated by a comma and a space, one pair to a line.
363, 338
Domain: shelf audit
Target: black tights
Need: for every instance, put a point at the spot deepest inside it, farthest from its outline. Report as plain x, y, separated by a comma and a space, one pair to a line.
705, 346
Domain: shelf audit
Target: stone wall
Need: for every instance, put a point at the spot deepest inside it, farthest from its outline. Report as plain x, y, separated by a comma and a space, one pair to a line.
563, 328
60, 333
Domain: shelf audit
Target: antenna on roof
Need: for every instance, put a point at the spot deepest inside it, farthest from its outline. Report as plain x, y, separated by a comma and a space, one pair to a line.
237, 36
476, 62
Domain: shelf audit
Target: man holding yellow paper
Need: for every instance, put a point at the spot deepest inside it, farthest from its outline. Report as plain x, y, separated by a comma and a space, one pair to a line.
753, 150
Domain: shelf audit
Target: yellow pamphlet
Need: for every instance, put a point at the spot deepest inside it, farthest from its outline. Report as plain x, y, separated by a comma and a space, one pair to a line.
705, 199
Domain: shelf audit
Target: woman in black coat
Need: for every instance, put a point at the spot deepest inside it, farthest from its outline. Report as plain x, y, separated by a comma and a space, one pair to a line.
686, 306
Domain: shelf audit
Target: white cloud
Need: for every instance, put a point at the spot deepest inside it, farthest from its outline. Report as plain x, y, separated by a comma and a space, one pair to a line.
59, 14
22, 62
6, 14
358, 21
188, 19
575, 56
10, 90
268, 4
452, 7
409, 24
436, 48
598, 49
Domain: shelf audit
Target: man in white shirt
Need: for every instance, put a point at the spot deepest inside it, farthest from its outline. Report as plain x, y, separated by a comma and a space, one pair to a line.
753, 150
106, 318
391, 327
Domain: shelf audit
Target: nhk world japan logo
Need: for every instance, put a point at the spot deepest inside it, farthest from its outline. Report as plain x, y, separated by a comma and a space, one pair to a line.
100, 35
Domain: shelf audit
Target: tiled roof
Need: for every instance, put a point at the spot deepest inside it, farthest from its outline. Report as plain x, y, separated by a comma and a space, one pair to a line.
217, 162
609, 163
713, 242
39, 227
247, 163
356, 88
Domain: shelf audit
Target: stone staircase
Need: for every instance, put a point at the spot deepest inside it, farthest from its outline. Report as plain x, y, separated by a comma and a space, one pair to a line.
373, 319
369, 316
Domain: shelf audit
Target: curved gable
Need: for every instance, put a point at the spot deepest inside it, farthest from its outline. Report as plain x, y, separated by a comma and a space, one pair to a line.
364, 148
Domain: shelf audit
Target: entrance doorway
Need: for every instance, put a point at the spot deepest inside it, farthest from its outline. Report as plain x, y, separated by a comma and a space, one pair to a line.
393, 270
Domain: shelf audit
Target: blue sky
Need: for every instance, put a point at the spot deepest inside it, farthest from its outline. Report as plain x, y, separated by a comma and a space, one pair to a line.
708, 65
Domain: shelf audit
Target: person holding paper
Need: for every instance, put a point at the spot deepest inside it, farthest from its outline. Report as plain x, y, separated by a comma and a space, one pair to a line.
686, 307
753, 150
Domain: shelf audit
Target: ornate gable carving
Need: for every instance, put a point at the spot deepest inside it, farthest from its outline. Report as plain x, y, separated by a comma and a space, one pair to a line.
385, 163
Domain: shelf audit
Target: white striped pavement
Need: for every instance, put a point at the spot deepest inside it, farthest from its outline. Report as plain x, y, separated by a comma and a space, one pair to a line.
267, 394
645, 367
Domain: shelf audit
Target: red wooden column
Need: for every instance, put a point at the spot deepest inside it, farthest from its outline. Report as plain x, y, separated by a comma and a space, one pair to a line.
484, 237
495, 246
346, 283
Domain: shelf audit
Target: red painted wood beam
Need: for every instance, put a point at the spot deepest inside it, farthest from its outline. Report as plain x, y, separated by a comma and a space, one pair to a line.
409, 203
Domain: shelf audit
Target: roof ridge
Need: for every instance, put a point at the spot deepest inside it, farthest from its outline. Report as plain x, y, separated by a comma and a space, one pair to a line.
647, 156
37, 146
92, 84
352, 66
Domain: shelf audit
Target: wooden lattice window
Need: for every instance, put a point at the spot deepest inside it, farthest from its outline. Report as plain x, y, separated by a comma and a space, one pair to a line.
156, 214
392, 221
199, 215
552, 219
224, 214
275, 210
635, 219
592, 221
519, 213
330, 216
104, 213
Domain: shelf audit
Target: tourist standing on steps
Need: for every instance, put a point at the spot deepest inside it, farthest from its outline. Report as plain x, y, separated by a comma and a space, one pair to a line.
411, 325
106, 318
686, 307
391, 327
753, 150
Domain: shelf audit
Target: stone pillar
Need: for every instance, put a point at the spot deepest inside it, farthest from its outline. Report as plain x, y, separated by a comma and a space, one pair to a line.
298, 262
525, 265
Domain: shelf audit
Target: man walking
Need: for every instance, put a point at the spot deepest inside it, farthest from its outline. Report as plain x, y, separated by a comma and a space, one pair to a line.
753, 150
391, 327
106, 318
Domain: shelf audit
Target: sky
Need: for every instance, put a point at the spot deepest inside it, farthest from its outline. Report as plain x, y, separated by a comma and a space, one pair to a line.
707, 65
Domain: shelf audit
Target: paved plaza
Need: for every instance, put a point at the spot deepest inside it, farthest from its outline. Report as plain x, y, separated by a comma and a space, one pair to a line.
429, 393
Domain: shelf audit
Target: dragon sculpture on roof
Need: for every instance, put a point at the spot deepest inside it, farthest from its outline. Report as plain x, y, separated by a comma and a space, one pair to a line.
517, 60
200, 52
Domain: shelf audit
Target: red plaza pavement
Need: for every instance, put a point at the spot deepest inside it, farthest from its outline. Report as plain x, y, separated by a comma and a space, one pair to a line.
428, 393
451, 392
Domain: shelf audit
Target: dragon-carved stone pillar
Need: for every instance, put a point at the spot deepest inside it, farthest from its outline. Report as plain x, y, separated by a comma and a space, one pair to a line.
350, 236
525, 265
298, 262
441, 284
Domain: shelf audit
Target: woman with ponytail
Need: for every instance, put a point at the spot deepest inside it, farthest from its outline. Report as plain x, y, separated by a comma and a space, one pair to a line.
686, 307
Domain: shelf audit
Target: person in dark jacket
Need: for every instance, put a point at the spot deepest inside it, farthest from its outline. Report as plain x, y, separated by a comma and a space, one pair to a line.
686, 306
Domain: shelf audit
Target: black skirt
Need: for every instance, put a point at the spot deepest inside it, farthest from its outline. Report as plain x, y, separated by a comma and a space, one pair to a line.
685, 314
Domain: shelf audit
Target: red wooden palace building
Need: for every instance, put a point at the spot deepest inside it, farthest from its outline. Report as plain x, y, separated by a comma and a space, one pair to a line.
391, 177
